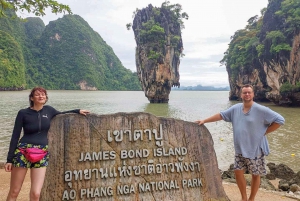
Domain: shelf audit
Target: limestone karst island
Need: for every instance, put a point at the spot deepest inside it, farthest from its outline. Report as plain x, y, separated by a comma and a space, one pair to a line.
68, 54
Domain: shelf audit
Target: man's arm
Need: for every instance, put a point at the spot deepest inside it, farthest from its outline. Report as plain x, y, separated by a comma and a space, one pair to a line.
216, 117
273, 126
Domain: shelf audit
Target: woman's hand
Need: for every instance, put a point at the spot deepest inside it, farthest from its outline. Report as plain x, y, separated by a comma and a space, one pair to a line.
84, 112
8, 167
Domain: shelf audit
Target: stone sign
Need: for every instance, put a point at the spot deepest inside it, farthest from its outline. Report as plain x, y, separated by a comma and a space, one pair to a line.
128, 157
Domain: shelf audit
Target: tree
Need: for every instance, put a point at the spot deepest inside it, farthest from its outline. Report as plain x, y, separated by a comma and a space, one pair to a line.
33, 6
290, 11
278, 42
128, 26
176, 10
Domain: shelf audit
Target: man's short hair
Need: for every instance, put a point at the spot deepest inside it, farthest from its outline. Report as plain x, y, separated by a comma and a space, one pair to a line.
246, 86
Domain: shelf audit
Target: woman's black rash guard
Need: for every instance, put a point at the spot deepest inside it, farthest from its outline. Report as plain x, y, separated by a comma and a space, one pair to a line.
35, 124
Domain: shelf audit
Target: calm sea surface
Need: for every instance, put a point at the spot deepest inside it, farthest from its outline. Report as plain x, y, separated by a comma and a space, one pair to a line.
184, 105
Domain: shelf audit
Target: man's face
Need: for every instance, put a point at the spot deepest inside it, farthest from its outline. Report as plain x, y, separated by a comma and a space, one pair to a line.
247, 94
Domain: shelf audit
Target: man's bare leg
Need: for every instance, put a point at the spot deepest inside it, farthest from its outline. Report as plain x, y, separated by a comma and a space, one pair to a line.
241, 182
255, 183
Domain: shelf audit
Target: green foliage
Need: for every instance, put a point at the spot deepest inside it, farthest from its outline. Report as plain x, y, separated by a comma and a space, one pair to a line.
262, 11
19, 29
242, 49
290, 11
34, 27
74, 52
65, 53
12, 70
156, 12
260, 49
289, 88
154, 55
152, 32
128, 26
263, 39
37, 7
175, 40
275, 36
176, 13
297, 87
252, 22
278, 44
280, 47
286, 87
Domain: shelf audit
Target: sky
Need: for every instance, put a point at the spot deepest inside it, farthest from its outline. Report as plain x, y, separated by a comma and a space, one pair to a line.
205, 38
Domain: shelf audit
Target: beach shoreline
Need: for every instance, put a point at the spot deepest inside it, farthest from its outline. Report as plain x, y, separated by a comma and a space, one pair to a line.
230, 189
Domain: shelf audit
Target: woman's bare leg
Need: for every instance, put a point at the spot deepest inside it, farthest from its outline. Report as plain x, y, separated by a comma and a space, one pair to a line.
37, 176
16, 181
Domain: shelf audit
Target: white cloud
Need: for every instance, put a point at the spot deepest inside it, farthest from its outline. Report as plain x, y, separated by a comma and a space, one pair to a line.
205, 38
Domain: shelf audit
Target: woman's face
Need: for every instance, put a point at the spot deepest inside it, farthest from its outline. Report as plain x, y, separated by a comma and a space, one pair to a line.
39, 98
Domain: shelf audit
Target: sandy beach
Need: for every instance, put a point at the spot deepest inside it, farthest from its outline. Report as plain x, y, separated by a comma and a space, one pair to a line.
231, 190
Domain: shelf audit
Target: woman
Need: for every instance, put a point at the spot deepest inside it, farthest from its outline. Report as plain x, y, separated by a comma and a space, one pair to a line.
35, 122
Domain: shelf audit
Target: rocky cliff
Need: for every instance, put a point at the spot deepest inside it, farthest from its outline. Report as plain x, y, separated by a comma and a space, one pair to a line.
286, 70
159, 47
266, 54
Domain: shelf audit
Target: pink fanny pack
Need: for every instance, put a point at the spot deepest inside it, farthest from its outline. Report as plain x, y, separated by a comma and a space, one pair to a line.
33, 154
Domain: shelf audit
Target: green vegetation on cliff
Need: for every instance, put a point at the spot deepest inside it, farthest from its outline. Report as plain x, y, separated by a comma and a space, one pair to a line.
72, 52
12, 70
266, 39
288, 87
157, 33
153, 33
66, 53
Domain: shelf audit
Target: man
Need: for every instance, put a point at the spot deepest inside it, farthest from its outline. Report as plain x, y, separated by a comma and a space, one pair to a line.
251, 122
